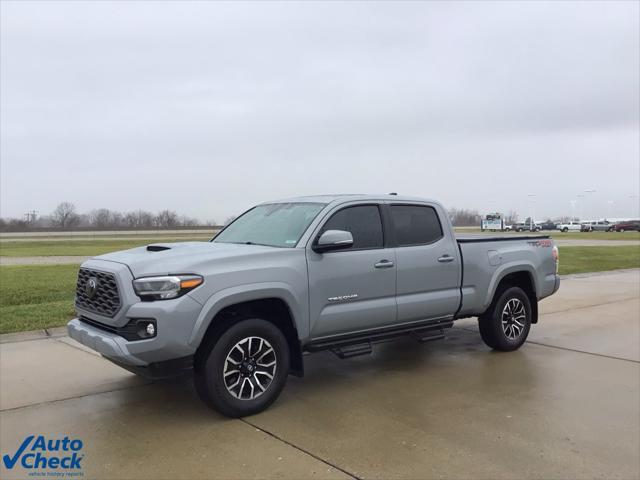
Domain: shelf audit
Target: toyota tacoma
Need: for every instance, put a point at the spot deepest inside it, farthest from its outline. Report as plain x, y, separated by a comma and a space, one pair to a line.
286, 278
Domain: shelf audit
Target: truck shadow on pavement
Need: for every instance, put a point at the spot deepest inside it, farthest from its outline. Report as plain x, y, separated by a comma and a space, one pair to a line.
405, 364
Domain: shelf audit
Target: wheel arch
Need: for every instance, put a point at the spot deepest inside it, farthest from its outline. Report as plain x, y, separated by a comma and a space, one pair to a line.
523, 279
274, 305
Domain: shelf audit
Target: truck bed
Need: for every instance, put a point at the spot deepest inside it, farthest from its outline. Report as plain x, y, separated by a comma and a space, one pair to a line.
487, 258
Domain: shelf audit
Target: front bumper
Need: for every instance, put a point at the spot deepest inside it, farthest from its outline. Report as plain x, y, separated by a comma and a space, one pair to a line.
173, 330
174, 319
115, 349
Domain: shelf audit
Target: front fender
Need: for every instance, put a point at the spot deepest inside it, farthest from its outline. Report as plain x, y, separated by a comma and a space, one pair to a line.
244, 293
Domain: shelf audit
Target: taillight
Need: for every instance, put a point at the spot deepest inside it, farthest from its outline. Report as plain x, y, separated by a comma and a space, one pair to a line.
556, 257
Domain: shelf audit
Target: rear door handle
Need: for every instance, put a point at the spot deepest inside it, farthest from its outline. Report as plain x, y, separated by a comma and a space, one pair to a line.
384, 264
446, 259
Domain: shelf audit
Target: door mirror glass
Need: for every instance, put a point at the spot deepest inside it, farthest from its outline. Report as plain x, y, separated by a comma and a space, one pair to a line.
333, 240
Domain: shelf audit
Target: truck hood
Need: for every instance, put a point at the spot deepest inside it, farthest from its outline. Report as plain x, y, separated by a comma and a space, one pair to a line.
183, 257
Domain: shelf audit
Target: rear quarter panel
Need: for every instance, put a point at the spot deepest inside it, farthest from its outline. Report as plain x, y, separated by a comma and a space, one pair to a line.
486, 263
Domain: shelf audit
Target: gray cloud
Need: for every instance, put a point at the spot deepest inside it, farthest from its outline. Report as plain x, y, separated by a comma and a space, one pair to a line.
208, 107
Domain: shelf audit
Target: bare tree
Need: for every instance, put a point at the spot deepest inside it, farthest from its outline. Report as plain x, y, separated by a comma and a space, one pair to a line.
511, 218
462, 217
186, 221
100, 218
138, 219
166, 218
64, 216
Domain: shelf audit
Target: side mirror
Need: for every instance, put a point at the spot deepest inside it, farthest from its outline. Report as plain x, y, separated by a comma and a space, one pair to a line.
333, 240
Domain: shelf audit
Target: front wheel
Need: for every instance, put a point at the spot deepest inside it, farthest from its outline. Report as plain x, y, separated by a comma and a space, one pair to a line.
506, 324
244, 371
565, 229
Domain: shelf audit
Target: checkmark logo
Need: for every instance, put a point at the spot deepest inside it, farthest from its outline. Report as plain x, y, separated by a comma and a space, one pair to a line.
10, 462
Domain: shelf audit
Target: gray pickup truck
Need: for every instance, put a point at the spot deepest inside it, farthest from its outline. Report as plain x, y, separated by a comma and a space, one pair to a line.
289, 277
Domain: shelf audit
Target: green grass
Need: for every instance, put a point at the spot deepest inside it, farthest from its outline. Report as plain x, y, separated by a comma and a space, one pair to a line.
598, 259
560, 235
89, 247
596, 235
84, 247
34, 297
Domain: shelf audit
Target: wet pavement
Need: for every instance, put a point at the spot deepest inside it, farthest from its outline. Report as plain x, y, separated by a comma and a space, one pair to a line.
566, 405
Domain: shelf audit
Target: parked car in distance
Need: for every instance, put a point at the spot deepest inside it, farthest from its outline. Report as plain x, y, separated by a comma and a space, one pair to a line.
333, 273
629, 225
599, 226
522, 226
569, 227
548, 225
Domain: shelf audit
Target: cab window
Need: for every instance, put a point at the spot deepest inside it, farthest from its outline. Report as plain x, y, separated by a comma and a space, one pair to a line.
364, 224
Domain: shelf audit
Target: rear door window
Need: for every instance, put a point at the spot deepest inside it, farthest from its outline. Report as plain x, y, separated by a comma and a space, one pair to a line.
415, 225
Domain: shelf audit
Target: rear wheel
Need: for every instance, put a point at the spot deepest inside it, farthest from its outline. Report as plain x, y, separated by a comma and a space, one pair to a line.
244, 371
565, 229
506, 324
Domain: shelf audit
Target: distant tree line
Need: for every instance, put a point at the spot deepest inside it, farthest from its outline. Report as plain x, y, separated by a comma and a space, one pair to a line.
66, 217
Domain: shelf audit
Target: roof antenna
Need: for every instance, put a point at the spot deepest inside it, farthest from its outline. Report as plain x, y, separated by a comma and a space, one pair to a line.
393, 193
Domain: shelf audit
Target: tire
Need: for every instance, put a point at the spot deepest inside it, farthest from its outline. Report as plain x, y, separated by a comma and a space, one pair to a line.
254, 344
506, 336
565, 229
621, 230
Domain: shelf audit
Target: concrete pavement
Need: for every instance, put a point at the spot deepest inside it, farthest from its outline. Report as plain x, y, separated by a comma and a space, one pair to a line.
566, 405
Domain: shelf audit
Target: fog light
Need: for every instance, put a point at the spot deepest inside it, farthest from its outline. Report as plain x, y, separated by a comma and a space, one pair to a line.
151, 329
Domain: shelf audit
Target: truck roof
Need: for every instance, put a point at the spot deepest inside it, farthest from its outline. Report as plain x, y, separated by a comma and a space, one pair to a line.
349, 197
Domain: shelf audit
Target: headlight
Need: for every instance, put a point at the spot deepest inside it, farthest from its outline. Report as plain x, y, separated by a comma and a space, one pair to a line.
164, 288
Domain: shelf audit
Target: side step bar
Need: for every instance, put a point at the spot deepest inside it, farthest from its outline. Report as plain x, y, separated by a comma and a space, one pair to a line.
429, 335
360, 344
348, 351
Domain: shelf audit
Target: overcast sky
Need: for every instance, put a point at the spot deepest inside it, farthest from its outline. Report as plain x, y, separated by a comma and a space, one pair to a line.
207, 108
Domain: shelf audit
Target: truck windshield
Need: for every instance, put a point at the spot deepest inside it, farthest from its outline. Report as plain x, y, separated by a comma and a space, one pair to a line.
274, 225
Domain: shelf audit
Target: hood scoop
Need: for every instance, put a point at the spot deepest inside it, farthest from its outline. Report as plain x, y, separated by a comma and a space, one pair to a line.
157, 248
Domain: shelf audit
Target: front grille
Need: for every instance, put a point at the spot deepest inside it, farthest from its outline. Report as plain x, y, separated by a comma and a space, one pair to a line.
104, 299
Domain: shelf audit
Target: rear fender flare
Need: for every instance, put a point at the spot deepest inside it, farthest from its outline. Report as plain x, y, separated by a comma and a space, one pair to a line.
504, 270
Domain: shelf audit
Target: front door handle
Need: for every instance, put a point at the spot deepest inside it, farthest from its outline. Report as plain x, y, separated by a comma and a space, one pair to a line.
446, 259
384, 264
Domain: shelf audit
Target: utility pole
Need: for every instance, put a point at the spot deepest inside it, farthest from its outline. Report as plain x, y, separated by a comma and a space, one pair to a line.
637, 205
587, 192
573, 209
30, 217
532, 198
581, 200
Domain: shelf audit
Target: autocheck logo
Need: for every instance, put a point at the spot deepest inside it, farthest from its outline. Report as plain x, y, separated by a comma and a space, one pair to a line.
40, 453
